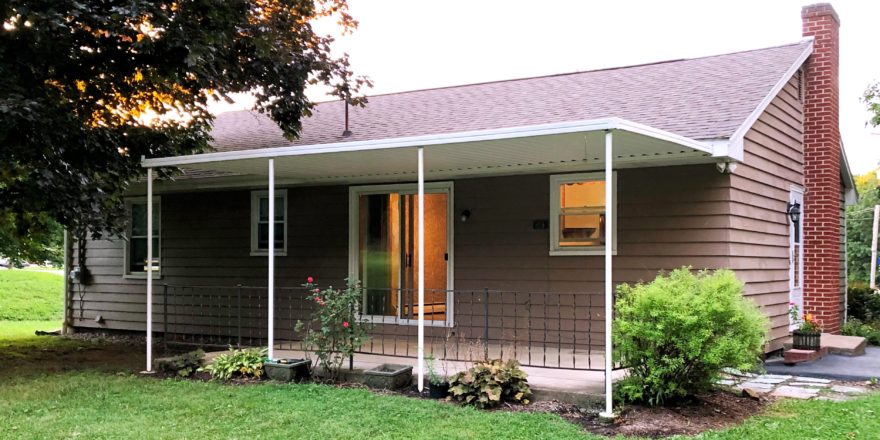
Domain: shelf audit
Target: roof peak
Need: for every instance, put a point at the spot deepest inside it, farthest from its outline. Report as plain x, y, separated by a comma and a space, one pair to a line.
579, 72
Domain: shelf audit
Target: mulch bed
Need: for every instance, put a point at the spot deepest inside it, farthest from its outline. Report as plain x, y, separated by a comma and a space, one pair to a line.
716, 410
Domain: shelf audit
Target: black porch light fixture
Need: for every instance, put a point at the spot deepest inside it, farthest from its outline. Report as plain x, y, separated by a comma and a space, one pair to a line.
794, 212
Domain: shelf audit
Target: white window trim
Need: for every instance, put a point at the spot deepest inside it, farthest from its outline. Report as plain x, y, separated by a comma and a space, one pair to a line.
255, 214
555, 181
445, 187
157, 211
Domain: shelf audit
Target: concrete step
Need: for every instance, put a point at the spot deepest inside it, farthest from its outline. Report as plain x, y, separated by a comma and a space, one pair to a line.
837, 344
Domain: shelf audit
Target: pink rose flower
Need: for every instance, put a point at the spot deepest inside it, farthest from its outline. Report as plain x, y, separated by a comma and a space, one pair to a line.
310, 280
345, 324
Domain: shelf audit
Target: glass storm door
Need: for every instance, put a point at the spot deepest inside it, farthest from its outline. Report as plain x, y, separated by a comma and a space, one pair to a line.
796, 253
388, 258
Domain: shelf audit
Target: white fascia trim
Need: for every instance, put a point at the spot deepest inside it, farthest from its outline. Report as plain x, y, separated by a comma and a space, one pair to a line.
735, 146
440, 139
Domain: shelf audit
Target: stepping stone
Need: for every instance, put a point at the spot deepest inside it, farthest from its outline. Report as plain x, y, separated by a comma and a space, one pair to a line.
794, 392
832, 399
777, 376
847, 390
811, 379
726, 382
757, 386
735, 372
767, 379
809, 384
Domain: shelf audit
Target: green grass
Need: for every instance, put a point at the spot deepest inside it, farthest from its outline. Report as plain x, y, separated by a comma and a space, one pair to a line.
38, 399
27, 295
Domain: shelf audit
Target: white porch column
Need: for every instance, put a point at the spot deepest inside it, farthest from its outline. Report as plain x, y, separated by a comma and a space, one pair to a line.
271, 283
150, 269
421, 254
609, 286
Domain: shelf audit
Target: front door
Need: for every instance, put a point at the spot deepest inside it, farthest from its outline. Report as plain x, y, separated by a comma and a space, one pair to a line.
387, 257
796, 252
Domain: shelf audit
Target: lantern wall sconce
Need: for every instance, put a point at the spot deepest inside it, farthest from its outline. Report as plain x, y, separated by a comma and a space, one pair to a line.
794, 212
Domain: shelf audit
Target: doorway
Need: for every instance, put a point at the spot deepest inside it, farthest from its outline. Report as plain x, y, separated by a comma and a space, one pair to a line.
384, 251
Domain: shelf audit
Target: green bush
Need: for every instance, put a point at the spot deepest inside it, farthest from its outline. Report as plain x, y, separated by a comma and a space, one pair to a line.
246, 362
488, 384
863, 303
183, 365
869, 331
678, 332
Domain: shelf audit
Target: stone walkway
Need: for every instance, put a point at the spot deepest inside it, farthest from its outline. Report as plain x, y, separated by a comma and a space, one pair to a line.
795, 387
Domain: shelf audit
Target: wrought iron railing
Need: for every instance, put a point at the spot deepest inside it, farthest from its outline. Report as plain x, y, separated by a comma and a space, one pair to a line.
544, 329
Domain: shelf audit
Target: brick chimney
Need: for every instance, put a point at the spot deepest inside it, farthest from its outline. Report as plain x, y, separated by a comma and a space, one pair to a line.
822, 147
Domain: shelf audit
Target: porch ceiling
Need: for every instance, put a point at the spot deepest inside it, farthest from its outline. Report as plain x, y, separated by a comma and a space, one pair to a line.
550, 148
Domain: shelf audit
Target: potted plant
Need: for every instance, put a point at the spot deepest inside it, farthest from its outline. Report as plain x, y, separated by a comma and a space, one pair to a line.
286, 370
388, 376
808, 335
438, 386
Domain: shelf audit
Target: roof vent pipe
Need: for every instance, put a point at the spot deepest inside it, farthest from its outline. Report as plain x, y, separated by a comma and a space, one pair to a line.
346, 132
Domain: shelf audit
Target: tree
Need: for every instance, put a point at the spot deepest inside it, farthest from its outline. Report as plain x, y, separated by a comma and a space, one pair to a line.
88, 87
859, 222
871, 98
38, 246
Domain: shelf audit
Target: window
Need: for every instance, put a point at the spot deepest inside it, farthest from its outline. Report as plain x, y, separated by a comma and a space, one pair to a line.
260, 222
577, 214
136, 245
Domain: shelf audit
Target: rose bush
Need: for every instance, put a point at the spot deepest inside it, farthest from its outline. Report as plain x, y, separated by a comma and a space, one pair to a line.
334, 332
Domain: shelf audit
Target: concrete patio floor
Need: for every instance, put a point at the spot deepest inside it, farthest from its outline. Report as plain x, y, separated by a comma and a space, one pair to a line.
584, 387
833, 366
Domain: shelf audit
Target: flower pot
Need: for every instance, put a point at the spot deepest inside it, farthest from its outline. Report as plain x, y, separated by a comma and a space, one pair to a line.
803, 340
287, 370
438, 391
388, 376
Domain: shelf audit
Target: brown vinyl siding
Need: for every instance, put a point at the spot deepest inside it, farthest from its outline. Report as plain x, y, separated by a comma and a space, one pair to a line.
759, 240
668, 217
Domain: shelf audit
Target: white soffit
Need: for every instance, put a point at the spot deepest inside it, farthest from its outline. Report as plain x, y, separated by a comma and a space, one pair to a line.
554, 147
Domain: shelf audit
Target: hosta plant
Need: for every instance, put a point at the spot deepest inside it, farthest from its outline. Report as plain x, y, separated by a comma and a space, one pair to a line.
488, 384
246, 362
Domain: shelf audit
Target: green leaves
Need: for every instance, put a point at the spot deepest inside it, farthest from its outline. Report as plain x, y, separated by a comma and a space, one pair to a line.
336, 330
676, 334
487, 384
89, 87
246, 362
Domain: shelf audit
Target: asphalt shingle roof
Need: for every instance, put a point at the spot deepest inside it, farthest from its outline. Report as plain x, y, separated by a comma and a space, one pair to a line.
701, 98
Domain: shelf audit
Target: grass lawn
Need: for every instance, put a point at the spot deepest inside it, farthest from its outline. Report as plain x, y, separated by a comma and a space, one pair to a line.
39, 399
31, 295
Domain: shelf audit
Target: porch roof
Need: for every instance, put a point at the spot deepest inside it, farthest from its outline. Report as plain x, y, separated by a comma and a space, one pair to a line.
569, 146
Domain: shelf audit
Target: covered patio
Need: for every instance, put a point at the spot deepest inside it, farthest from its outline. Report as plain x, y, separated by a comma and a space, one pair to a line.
487, 316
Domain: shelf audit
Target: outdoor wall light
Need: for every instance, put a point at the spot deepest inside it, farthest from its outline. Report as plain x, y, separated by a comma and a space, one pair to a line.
465, 215
794, 212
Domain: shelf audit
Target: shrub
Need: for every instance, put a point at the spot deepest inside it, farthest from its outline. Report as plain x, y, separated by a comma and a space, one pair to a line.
678, 332
246, 362
183, 365
863, 303
869, 331
487, 384
335, 331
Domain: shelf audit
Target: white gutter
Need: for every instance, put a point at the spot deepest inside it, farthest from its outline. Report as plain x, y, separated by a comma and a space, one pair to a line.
436, 139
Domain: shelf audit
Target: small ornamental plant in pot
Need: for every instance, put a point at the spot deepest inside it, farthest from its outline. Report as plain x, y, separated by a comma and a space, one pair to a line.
808, 335
288, 370
438, 385
335, 331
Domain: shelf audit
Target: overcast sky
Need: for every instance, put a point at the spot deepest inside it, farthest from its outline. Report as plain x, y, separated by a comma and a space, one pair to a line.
406, 45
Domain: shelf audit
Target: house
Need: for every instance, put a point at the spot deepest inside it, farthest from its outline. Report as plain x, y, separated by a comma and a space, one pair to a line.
728, 161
